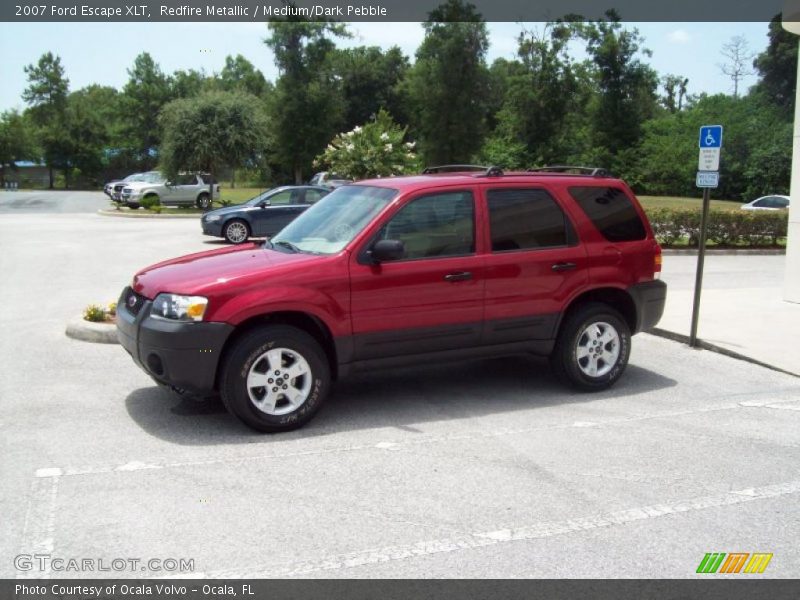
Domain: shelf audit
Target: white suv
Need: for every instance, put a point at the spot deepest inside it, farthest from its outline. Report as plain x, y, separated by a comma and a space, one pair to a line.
189, 189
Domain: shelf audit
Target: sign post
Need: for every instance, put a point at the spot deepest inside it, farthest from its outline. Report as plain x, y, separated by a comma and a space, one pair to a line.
710, 144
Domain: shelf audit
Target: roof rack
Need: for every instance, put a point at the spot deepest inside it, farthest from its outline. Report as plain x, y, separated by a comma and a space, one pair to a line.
593, 171
453, 168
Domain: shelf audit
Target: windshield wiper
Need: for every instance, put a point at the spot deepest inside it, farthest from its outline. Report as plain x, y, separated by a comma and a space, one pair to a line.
288, 245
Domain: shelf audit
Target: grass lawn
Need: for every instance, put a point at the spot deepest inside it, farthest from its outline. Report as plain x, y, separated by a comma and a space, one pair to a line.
239, 194
649, 202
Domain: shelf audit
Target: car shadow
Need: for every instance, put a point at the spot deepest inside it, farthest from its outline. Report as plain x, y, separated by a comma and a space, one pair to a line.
400, 398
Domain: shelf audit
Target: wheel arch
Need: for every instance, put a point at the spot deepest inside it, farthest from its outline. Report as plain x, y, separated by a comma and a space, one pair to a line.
617, 298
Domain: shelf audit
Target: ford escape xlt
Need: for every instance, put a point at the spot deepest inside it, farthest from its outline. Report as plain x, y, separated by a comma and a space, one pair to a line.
401, 270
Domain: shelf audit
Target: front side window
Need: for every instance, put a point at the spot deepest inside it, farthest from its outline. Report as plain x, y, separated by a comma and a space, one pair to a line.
525, 219
611, 211
434, 226
284, 197
186, 180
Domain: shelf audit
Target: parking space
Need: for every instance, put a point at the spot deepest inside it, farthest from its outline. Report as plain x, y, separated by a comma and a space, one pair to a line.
481, 469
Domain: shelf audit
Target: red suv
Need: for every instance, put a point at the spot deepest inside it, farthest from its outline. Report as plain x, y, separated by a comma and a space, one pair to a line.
386, 272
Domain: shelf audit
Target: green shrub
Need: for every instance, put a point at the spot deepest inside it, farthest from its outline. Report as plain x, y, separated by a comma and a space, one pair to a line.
725, 228
95, 313
374, 150
150, 202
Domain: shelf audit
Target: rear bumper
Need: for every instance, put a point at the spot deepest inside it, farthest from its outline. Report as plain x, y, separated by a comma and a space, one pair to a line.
649, 298
184, 355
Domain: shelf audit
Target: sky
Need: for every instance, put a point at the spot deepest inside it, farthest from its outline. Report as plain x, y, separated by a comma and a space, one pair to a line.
102, 53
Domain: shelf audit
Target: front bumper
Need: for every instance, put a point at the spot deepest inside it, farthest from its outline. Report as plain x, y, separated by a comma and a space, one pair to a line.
212, 228
649, 298
184, 355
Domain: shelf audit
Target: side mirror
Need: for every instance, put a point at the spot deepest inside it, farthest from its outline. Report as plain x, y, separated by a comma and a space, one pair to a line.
265, 204
168, 183
387, 250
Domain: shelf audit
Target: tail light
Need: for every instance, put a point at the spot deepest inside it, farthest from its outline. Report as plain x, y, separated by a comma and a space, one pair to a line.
657, 259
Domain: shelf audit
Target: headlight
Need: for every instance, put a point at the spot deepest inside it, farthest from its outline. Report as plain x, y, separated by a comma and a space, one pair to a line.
179, 308
212, 218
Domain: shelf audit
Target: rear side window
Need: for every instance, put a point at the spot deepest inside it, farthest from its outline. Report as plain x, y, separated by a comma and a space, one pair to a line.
523, 219
611, 211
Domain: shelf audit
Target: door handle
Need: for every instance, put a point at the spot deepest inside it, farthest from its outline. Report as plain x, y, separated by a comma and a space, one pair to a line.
462, 276
565, 266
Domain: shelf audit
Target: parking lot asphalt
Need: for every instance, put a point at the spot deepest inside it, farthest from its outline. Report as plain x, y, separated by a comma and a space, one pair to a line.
481, 469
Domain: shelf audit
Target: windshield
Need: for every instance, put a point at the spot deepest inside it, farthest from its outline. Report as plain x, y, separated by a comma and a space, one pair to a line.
134, 177
152, 177
331, 223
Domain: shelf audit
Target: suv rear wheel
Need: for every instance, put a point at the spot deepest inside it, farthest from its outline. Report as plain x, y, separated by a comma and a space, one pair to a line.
275, 378
592, 348
203, 201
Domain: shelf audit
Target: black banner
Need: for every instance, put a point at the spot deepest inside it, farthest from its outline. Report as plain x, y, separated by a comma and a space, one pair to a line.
382, 10
712, 588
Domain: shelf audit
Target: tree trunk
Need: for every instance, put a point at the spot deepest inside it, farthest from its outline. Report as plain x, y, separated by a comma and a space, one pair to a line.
52, 178
298, 175
233, 178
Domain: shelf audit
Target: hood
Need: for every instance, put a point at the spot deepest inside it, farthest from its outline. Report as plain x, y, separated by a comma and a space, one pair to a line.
202, 273
226, 210
138, 185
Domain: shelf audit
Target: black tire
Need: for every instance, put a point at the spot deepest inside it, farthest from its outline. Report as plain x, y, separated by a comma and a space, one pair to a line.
203, 201
564, 360
231, 231
249, 352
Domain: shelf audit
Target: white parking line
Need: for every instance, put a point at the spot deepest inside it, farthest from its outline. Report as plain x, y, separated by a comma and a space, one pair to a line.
481, 539
38, 535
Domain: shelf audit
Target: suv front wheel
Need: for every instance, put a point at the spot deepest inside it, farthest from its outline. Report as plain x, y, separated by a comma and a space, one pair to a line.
275, 378
592, 348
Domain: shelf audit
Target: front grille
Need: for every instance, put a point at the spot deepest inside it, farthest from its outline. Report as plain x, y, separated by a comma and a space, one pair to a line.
118, 187
133, 301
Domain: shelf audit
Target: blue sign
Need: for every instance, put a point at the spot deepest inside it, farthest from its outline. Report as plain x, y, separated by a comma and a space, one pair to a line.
711, 136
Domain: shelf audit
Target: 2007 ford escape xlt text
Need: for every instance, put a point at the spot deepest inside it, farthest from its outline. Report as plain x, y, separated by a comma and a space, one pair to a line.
441, 266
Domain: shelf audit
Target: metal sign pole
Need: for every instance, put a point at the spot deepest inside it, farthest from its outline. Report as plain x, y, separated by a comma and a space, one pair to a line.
701, 256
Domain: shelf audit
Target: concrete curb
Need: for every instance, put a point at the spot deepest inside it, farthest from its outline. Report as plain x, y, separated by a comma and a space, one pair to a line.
724, 251
86, 331
132, 215
684, 339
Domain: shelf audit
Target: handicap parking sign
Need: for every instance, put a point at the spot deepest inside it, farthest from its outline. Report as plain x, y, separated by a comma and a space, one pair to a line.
711, 136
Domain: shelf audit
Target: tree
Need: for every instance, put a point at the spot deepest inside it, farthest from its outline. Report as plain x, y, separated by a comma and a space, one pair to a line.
777, 67
240, 74
143, 97
377, 149
738, 59
211, 131
16, 141
626, 89
87, 131
47, 96
188, 83
306, 106
674, 92
447, 88
369, 79
540, 95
